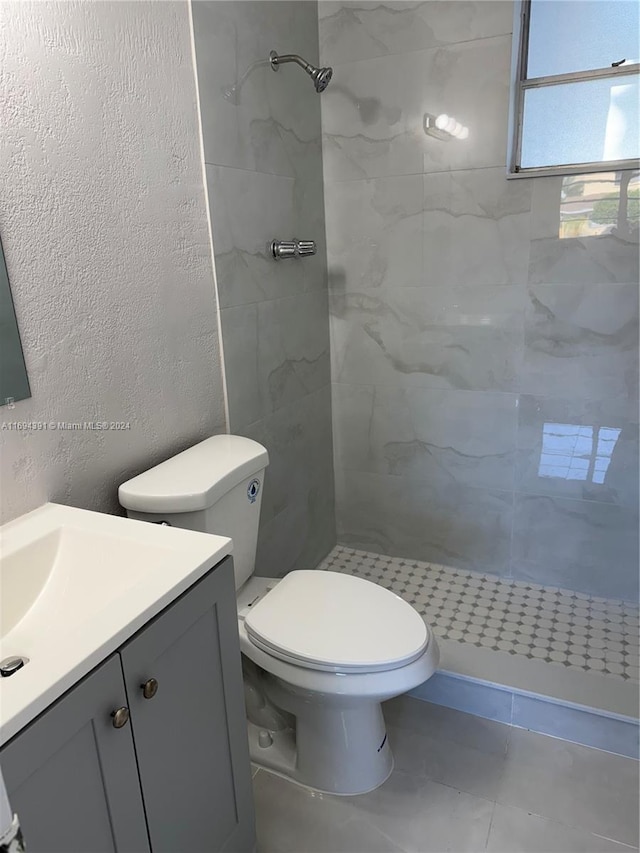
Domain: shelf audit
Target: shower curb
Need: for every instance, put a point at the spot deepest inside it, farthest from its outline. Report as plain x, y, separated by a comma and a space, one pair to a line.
565, 720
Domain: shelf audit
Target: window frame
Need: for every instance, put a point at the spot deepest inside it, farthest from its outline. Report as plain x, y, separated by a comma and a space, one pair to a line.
520, 83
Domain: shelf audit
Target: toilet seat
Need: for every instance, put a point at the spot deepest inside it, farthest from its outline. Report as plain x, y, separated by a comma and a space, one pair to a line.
336, 623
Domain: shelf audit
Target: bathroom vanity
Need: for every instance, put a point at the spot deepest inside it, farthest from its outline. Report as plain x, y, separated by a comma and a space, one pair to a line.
147, 749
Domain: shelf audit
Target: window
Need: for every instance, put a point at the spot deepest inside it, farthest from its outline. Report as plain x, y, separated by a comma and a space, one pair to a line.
575, 105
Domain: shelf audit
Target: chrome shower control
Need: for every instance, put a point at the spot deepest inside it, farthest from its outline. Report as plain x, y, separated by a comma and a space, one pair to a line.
306, 247
281, 249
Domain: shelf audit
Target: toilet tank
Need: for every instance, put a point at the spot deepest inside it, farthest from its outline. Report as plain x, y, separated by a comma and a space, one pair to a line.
213, 487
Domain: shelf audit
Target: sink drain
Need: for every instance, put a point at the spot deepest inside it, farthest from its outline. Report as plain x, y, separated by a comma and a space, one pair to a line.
10, 665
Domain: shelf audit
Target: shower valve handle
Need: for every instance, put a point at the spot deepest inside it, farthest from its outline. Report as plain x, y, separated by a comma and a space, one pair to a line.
281, 249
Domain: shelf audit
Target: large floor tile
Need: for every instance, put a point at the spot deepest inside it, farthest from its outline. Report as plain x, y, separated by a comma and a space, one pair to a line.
468, 768
517, 831
424, 718
596, 791
404, 814
421, 816
447, 746
553, 797
354, 836
292, 819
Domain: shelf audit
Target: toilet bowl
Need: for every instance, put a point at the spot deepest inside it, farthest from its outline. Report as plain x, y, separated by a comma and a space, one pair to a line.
321, 650
330, 676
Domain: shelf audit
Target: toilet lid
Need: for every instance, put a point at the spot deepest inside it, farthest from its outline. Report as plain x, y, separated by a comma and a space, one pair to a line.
329, 621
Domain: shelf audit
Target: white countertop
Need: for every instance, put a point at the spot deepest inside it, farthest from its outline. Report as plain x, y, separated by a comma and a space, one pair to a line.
123, 573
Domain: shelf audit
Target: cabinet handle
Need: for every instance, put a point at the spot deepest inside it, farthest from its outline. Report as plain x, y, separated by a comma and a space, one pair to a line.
149, 688
120, 717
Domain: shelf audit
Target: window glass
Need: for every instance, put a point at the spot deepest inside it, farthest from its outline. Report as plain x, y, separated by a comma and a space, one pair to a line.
580, 35
590, 121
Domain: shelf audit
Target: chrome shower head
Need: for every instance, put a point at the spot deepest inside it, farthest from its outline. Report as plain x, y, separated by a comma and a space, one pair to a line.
320, 76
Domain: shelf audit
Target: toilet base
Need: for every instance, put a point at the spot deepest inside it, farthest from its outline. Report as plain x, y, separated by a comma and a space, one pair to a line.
337, 749
323, 730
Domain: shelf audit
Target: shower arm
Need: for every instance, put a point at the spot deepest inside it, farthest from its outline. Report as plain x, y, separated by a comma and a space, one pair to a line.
279, 59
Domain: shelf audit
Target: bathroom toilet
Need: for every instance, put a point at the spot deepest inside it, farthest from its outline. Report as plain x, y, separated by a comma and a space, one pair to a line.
321, 650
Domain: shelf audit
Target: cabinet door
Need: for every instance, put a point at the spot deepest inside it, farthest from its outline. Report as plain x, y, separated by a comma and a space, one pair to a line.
72, 777
191, 736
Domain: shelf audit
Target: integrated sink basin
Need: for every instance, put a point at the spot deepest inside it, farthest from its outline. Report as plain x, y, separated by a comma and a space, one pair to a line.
74, 585
57, 582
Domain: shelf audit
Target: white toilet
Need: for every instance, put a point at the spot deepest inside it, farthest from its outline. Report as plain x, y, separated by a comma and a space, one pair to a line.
321, 650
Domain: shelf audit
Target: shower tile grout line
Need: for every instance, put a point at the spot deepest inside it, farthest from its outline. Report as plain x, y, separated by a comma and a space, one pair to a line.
559, 626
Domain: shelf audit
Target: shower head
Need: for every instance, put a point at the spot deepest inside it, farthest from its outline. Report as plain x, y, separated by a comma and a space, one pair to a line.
320, 76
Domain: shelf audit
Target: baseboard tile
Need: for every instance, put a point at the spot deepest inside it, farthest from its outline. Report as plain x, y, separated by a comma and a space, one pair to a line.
592, 727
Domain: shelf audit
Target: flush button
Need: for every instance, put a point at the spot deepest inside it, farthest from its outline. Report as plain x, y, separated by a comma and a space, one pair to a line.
10, 665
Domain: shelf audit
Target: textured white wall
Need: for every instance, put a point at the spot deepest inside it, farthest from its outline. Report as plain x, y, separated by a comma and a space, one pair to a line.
103, 221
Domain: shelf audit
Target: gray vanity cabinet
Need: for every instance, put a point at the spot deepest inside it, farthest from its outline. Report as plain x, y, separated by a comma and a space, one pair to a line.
72, 777
175, 777
191, 734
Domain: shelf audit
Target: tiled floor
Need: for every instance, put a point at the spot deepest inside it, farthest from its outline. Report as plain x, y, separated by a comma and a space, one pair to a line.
562, 627
462, 784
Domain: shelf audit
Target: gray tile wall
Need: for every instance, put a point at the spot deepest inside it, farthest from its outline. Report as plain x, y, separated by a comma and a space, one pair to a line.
264, 176
461, 324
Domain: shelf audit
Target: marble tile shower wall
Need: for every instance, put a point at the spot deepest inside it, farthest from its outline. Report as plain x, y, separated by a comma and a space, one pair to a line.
484, 370
262, 149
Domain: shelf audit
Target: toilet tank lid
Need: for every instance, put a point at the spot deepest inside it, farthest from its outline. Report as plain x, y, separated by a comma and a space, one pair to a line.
196, 478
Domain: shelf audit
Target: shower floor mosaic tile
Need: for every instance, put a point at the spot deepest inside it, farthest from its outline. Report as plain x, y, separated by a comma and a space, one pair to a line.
559, 626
